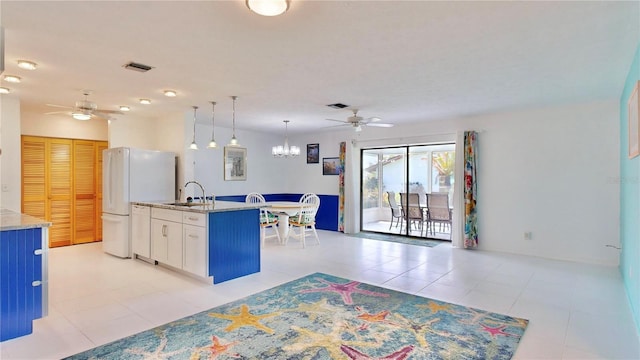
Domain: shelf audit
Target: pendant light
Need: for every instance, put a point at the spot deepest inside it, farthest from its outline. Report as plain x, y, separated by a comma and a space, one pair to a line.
193, 145
285, 151
234, 141
212, 143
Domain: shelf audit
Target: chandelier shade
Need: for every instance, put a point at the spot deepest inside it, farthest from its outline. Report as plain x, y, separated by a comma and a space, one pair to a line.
285, 150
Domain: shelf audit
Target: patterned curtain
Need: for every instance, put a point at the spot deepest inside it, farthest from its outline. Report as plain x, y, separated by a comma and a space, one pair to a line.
343, 153
470, 190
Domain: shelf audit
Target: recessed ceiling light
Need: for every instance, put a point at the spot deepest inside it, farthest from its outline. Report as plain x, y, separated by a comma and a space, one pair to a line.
26, 64
12, 78
170, 93
4, 90
145, 101
124, 108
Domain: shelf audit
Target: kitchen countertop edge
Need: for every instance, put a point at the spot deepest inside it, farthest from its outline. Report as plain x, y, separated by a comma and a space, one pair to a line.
11, 220
219, 206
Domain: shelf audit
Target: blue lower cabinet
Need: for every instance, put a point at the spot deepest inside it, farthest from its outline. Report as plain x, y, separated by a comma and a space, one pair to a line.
20, 281
234, 244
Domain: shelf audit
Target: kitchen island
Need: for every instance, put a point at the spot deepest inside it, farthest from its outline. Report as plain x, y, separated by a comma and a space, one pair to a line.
23, 272
218, 242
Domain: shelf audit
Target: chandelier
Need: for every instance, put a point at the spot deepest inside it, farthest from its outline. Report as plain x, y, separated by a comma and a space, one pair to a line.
285, 151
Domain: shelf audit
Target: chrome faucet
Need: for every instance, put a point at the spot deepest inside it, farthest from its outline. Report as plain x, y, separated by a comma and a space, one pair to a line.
203, 199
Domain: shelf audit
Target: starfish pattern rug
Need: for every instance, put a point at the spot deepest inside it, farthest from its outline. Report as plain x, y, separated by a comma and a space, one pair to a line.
320, 316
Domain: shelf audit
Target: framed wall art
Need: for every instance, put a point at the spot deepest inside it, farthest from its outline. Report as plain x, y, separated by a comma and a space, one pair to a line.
634, 132
313, 153
235, 163
331, 166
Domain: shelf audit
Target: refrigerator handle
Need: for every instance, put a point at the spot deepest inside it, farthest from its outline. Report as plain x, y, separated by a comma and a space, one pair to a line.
109, 181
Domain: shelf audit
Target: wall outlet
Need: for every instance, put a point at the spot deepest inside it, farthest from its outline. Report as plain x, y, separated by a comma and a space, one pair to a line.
5, 188
527, 235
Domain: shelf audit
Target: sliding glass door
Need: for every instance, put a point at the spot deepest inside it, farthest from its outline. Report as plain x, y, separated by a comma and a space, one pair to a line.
395, 182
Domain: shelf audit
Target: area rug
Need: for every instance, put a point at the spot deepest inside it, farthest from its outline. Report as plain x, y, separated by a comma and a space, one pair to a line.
321, 316
398, 239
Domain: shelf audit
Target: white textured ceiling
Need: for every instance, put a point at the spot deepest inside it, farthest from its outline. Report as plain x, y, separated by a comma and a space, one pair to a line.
402, 61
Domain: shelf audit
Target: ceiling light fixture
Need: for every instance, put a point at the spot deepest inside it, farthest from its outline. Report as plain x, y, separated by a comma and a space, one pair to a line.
145, 101
81, 115
234, 141
285, 151
193, 145
124, 108
268, 7
212, 143
170, 93
4, 90
12, 78
27, 65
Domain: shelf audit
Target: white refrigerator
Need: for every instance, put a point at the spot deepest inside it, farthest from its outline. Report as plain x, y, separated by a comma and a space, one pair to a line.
131, 174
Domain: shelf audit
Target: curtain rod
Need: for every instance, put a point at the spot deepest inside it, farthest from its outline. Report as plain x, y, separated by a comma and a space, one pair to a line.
404, 138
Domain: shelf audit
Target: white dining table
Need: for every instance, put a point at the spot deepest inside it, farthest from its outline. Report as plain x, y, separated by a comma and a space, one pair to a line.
283, 209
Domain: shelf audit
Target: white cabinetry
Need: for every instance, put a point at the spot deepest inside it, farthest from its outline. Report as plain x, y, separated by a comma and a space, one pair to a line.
166, 236
195, 249
141, 230
180, 239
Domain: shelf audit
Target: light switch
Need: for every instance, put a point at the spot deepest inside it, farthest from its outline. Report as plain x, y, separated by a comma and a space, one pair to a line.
5, 188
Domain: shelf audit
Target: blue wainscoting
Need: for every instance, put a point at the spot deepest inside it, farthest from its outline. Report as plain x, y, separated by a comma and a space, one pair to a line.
326, 219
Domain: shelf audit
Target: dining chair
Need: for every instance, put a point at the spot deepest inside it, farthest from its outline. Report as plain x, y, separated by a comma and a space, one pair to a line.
412, 212
438, 211
267, 219
305, 220
396, 212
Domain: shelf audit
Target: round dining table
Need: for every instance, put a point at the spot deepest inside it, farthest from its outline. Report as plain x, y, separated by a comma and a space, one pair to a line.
283, 209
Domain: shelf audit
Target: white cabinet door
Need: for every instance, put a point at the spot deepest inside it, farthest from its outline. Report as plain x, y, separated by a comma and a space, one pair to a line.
141, 230
174, 252
159, 240
195, 250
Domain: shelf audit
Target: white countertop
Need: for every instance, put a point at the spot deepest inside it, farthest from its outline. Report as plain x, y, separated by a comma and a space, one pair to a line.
201, 208
11, 220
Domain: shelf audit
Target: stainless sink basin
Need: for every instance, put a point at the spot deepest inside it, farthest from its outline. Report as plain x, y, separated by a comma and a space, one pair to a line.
188, 204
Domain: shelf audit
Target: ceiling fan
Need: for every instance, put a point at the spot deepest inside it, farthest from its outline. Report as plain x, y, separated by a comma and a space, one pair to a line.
357, 122
85, 109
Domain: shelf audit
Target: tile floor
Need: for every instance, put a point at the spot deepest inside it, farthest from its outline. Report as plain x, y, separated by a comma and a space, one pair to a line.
576, 311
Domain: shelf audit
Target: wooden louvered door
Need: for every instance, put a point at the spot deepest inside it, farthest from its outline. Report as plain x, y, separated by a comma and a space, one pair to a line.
84, 191
100, 146
47, 184
60, 185
34, 181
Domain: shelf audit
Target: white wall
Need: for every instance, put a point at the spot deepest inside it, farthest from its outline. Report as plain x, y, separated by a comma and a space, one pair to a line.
10, 160
131, 131
550, 171
62, 126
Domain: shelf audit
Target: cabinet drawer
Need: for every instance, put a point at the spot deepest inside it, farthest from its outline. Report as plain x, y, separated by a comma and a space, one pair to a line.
165, 214
192, 218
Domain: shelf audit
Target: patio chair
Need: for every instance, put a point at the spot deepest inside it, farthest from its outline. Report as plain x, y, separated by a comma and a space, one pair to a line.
438, 211
412, 211
396, 212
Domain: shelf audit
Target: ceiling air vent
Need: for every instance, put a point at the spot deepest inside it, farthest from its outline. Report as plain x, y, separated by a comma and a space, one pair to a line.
338, 106
137, 67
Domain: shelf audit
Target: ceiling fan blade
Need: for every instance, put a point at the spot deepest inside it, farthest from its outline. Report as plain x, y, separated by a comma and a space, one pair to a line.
60, 106
384, 125
57, 112
109, 111
372, 119
342, 121
100, 115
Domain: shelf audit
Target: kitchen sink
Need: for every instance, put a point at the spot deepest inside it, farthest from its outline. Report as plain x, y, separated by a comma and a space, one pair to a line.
188, 204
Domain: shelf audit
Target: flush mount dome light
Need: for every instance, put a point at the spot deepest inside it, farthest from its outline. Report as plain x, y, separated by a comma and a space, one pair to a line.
12, 78
27, 65
145, 101
124, 108
81, 115
4, 90
170, 93
268, 7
